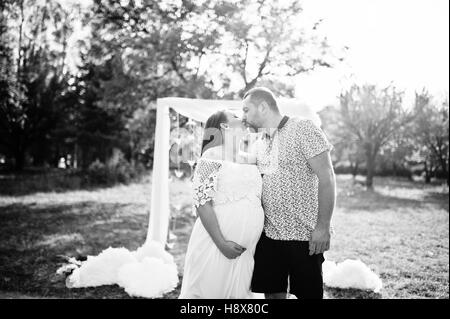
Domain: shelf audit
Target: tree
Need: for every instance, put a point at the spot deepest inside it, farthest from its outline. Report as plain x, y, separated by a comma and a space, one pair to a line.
431, 133
396, 155
264, 39
371, 116
33, 51
96, 129
162, 48
141, 128
157, 47
150, 49
345, 151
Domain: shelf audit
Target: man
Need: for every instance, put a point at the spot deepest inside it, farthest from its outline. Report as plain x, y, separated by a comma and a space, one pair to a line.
298, 198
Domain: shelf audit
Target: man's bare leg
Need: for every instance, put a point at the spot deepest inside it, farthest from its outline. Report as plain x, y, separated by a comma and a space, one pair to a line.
277, 295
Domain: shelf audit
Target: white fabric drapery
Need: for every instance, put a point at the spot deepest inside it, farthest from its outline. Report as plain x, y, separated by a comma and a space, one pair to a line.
199, 110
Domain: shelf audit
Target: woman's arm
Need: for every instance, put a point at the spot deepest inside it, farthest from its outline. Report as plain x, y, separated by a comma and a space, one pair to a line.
205, 184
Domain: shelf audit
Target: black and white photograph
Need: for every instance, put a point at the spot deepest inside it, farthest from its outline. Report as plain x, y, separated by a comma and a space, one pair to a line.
224, 150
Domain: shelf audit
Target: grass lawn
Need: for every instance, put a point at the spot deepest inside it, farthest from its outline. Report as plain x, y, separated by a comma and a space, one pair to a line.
400, 230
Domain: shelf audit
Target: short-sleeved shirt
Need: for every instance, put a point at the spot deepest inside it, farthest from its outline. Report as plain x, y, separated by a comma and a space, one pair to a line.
290, 186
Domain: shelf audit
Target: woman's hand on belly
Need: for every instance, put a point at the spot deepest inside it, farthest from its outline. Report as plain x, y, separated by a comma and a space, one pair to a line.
230, 249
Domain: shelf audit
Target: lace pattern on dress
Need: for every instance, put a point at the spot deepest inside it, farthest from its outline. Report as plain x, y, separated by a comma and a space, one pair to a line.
205, 181
244, 181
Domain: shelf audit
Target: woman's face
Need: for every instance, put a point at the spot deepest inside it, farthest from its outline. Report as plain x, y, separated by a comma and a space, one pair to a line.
234, 121
235, 125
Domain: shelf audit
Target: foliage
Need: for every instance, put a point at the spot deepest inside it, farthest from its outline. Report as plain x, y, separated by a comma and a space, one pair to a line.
136, 51
265, 39
430, 133
116, 170
403, 139
33, 75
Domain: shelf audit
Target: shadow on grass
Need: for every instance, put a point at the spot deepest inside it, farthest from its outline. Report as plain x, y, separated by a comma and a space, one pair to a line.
32, 238
440, 199
34, 181
374, 201
24, 189
352, 198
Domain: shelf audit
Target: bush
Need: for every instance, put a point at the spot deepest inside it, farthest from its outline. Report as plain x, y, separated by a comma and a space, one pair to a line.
340, 168
116, 170
97, 173
32, 181
122, 172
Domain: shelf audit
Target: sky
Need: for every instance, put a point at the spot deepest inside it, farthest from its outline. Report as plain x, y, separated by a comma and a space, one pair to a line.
405, 42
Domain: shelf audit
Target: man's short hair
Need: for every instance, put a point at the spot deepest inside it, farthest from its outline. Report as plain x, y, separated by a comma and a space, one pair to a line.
260, 94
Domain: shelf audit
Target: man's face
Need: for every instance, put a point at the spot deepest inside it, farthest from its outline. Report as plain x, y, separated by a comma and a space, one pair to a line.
250, 114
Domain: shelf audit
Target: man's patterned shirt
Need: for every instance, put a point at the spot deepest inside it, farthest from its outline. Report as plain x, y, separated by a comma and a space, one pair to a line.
290, 187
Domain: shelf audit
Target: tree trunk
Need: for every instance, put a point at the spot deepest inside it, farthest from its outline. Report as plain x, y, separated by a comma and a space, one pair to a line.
354, 170
427, 173
444, 167
370, 163
19, 58
19, 157
248, 86
75, 156
56, 157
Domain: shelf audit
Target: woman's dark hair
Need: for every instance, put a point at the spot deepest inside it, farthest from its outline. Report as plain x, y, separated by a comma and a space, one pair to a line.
212, 135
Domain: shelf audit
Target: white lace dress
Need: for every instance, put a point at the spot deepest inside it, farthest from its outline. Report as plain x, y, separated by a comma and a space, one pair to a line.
235, 191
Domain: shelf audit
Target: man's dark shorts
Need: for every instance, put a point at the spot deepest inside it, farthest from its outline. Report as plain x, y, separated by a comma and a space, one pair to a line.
276, 260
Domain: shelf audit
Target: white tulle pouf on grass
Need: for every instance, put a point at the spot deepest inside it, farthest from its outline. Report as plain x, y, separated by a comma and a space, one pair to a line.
148, 272
350, 274
149, 278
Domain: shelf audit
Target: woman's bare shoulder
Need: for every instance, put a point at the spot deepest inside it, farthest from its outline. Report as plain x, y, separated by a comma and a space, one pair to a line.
214, 153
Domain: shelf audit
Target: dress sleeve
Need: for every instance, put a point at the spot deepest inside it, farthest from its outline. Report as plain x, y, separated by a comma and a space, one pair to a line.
205, 181
312, 140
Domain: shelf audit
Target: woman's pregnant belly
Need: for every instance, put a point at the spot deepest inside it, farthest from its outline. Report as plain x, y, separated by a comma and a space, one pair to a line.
241, 221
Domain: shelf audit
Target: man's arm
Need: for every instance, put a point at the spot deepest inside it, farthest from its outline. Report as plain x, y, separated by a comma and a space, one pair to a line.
323, 168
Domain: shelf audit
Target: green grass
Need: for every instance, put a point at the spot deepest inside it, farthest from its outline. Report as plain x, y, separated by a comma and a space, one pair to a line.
400, 230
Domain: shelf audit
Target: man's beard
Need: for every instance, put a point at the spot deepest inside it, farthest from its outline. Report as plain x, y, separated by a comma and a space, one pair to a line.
252, 128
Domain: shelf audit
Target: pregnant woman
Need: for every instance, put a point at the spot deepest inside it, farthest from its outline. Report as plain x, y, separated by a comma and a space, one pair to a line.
227, 196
